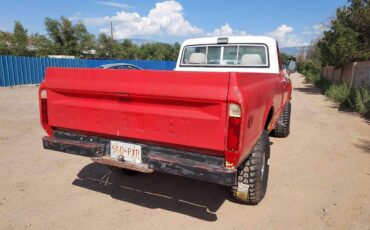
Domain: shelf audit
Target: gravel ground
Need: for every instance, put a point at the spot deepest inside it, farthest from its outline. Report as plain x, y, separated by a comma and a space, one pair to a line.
319, 179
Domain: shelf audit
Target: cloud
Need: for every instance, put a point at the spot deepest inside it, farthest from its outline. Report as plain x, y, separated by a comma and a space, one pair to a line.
317, 29
166, 18
283, 34
114, 4
307, 30
226, 30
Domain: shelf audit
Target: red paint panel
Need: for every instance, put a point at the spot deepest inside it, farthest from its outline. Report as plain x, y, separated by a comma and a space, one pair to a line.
181, 108
256, 93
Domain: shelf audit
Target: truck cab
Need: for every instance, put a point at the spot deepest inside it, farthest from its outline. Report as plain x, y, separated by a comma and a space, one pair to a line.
210, 119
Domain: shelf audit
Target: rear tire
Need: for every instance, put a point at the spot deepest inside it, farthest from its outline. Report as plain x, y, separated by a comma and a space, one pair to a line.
253, 173
282, 127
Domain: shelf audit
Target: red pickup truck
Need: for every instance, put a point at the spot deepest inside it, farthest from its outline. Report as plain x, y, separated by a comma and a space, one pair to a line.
209, 119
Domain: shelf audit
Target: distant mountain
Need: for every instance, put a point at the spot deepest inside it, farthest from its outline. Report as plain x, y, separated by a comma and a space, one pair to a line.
138, 41
294, 51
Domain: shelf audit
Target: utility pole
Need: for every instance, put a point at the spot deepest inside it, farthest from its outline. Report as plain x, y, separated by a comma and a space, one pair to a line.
112, 42
111, 31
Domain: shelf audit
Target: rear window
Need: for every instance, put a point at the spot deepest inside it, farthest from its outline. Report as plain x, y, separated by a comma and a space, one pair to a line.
248, 55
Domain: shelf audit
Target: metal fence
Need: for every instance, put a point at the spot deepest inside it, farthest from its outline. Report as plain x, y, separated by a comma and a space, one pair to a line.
31, 70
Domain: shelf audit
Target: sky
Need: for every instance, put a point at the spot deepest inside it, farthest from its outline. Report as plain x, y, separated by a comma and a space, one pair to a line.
292, 23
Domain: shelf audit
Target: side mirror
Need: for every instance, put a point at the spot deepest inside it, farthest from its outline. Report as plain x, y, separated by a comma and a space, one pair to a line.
292, 65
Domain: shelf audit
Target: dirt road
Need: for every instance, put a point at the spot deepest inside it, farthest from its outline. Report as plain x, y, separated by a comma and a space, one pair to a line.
319, 179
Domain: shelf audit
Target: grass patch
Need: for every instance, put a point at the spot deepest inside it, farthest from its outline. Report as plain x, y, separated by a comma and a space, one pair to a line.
359, 101
338, 93
314, 78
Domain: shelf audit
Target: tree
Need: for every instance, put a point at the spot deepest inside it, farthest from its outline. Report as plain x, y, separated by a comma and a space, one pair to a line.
66, 38
338, 46
175, 51
6, 39
55, 35
69, 39
19, 40
40, 45
357, 18
159, 51
128, 50
103, 46
313, 51
86, 44
348, 38
70, 43
284, 57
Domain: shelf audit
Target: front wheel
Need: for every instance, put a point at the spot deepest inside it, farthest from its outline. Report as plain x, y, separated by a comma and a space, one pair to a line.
253, 173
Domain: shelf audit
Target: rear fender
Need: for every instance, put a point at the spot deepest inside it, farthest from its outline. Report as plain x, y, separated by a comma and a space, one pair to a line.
256, 94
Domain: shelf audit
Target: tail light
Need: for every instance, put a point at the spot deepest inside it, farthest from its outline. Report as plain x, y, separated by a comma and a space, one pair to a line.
233, 133
44, 107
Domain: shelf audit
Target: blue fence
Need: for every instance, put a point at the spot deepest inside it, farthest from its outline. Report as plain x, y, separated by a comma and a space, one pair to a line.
31, 70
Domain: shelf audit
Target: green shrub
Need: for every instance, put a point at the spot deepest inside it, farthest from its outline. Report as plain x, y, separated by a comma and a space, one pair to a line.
359, 101
323, 84
310, 67
338, 93
317, 80
311, 70
311, 77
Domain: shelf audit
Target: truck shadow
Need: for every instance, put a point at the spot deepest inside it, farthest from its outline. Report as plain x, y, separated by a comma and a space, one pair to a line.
157, 190
364, 145
309, 89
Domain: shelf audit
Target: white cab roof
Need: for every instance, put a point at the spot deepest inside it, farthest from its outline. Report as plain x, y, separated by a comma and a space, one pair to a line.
232, 39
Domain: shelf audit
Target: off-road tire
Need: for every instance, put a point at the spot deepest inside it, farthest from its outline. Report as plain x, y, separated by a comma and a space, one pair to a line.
253, 173
282, 127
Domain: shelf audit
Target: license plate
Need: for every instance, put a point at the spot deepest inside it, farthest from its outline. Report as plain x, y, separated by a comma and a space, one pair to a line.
130, 152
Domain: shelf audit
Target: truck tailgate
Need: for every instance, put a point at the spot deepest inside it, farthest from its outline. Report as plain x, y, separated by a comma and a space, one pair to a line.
169, 107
